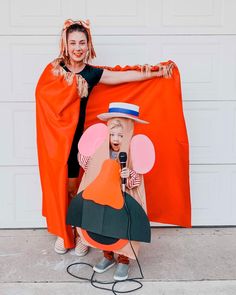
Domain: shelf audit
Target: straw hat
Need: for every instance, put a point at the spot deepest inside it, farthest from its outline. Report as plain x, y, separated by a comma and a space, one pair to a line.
123, 110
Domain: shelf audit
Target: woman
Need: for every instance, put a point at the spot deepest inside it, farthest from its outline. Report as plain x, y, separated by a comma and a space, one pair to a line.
57, 84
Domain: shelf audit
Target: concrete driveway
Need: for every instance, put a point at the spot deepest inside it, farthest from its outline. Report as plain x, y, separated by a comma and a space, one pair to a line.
178, 261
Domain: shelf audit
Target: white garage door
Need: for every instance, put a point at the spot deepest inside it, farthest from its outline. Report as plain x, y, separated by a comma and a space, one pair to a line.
198, 35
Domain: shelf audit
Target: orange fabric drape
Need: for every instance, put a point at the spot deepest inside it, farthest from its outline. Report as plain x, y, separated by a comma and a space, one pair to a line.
57, 111
160, 101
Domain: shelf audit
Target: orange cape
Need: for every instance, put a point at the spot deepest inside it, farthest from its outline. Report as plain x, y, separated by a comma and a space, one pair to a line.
160, 101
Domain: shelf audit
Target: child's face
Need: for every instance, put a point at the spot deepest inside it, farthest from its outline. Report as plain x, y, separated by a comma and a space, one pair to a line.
116, 137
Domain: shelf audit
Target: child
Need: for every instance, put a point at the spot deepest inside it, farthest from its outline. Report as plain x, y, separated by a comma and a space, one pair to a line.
120, 127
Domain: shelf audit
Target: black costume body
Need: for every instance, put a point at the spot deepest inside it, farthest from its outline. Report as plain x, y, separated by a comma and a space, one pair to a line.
92, 75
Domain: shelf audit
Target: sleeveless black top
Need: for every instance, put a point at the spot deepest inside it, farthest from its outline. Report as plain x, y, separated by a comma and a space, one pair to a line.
92, 75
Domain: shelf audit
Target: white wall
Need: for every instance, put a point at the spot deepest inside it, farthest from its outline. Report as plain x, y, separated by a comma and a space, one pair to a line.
200, 36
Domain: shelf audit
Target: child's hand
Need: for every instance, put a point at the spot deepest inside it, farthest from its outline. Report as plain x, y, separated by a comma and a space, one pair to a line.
73, 185
124, 172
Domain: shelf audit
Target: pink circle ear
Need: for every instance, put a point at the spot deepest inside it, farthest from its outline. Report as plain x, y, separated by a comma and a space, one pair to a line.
142, 153
92, 139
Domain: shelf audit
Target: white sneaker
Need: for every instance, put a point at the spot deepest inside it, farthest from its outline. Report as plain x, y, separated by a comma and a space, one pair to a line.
80, 248
59, 246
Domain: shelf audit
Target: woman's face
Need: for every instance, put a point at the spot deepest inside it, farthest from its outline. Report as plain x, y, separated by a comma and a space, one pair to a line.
77, 46
116, 137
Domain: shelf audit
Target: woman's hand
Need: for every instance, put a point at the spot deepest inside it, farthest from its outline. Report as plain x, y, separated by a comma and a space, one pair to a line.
125, 173
73, 185
165, 71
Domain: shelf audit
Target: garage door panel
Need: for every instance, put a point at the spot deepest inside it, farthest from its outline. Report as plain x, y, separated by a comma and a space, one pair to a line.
212, 132
122, 51
201, 76
17, 121
207, 64
201, 13
122, 13
41, 17
21, 201
213, 190
121, 17
24, 60
232, 193
211, 129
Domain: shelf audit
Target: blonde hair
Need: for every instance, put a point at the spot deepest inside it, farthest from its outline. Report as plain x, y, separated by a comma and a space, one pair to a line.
114, 123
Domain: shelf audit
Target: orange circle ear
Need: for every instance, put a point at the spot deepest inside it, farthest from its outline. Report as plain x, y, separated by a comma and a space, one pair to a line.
116, 246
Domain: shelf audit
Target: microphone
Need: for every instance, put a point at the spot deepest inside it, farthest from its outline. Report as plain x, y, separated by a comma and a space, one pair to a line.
123, 160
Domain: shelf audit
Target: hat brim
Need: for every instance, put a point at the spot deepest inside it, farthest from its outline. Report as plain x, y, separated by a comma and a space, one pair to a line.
107, 116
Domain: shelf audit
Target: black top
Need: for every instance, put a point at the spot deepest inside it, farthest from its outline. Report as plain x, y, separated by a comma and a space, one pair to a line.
92, 75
